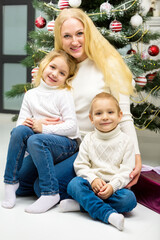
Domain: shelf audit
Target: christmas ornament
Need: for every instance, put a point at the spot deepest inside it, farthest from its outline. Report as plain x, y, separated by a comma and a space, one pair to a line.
151, 76
75, 3
106, 7
115, 26
141, 81
50, 25
144, 55
34, 73
63, 4
153, 50
136, 20
40, 22
131, 51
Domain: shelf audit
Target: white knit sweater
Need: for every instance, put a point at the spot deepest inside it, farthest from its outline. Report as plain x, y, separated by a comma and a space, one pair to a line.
88, 82
46, 101
109, 156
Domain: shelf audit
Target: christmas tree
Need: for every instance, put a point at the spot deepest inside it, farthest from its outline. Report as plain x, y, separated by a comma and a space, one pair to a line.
123, 24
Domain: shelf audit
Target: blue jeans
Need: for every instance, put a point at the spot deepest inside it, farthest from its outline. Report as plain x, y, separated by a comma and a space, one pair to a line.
45, 150
29, 181
121, 201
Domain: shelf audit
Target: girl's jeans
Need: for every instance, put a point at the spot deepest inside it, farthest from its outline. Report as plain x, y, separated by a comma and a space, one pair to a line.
44, 150
121, 201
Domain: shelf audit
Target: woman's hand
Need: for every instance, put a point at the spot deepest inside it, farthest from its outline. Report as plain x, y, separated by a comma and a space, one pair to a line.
134, 175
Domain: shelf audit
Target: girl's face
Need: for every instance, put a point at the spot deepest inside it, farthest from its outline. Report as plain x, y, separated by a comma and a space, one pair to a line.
56, 72
73, 39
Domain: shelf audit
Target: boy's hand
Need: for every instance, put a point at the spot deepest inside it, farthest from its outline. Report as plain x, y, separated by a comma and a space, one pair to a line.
97, 184
105, 192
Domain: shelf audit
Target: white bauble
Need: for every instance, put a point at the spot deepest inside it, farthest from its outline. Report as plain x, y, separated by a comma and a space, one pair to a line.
75, 3
136, 20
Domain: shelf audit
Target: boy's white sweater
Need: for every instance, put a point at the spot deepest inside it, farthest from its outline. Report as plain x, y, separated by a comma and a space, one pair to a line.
108, 156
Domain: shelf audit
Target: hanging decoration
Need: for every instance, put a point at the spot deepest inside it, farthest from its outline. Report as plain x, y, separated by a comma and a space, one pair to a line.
131, 51
63, 4
40, 22
141, 81
50, 25
33, 73
150, 77
153, 50
136, 20
106, 7
115, 26
75, 3
144, 55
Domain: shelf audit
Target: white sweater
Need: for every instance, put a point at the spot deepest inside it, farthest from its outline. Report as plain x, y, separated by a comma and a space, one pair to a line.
88, 82
109, 156
46, 101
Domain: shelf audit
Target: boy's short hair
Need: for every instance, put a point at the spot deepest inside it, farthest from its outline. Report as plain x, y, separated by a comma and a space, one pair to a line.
104, 95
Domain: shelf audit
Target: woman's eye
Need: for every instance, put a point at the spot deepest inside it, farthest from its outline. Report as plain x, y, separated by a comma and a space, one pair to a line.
98, 113
62, 73
53, 67
80, 33
66, 36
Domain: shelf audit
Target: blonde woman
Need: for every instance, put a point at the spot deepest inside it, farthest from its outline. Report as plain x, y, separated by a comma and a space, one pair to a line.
47, 143
101, 68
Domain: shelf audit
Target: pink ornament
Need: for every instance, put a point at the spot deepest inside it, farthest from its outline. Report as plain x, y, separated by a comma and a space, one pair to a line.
63, 4
144, 55
34, 73
40, 22
50, 25
153, 50
115, 26
106, 7
141, 81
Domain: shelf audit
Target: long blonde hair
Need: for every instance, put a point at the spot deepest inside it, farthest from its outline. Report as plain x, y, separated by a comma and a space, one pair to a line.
117, 75
48, 58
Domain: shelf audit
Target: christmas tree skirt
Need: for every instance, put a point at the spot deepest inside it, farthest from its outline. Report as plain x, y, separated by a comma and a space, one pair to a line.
147, 190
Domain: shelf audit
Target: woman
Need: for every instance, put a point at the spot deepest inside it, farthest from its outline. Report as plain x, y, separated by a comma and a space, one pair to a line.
100, 68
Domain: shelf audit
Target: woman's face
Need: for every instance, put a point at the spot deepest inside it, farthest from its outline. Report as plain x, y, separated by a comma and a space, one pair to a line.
73, 39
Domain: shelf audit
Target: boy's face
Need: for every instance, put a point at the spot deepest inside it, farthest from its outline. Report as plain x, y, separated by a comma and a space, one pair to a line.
56, 72
105, 115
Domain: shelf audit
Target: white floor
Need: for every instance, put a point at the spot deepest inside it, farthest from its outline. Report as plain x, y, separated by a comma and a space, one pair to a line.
142, 223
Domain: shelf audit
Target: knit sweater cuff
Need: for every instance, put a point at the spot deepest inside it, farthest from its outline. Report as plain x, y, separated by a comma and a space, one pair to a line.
115, 184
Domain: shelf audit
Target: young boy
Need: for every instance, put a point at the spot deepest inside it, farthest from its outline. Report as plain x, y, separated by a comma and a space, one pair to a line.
105, 160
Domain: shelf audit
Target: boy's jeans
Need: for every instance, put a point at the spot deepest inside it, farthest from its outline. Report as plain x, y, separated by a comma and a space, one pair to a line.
121, 201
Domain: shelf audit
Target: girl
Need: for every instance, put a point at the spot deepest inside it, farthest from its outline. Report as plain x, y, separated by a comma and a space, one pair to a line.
35, 129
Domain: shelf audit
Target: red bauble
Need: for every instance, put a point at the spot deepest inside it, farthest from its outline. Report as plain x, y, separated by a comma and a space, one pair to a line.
153, 50
141, 81
50, 25
115, 26
131, 51
151, 76
63, 4
40, 22
34, 73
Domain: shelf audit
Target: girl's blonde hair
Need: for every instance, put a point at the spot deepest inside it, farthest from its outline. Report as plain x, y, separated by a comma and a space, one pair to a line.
48, 58
117, 75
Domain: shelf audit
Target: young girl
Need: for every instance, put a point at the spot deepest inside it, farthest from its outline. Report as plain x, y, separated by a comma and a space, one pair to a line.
35, 127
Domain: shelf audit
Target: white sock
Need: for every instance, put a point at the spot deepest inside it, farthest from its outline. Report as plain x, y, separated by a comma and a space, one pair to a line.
10, 195
69, 205
116, 220
43, 204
